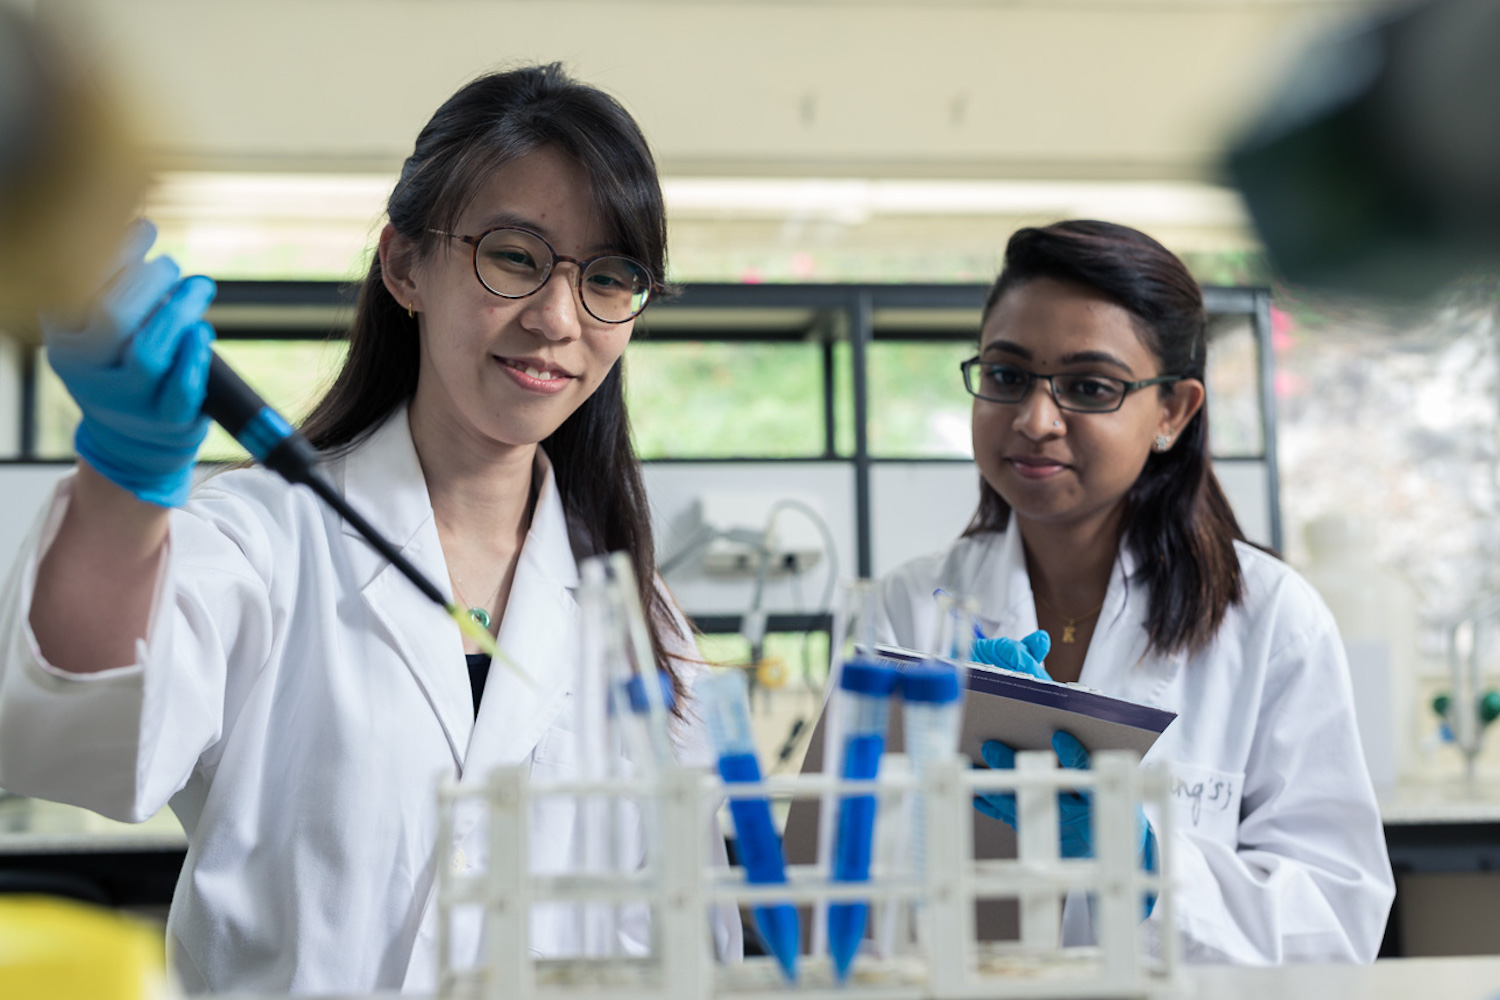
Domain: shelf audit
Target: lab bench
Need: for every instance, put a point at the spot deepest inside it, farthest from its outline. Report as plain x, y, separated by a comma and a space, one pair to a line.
65, 851
1448, 978
1443, 836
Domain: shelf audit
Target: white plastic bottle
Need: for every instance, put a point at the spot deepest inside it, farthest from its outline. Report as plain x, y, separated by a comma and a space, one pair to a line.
1377, 612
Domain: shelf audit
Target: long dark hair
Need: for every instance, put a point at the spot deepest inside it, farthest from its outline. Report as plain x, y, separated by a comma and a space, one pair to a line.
492, 121
1176, 519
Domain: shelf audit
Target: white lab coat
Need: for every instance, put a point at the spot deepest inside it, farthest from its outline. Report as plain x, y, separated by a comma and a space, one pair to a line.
296, 702
1278, 853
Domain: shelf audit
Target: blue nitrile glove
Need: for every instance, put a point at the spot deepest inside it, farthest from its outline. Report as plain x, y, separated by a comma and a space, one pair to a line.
138, 371
1023, 657
1074, 821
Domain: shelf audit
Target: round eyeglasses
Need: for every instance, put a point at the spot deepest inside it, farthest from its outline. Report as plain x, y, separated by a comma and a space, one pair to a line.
1002, 383
514, 263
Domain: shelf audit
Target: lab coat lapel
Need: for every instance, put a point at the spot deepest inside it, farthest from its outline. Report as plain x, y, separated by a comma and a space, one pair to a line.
382, 479
540, 632
1117, 659
1003, 588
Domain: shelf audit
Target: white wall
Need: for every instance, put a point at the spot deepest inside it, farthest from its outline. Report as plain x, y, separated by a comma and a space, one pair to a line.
916, 508
675, 487
23, 491
1245, 484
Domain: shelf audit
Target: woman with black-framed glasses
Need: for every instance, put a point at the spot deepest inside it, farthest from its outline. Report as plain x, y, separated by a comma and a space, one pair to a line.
1104, 552
251, 661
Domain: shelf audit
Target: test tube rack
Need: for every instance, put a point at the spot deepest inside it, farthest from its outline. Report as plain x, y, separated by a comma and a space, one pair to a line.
942, 961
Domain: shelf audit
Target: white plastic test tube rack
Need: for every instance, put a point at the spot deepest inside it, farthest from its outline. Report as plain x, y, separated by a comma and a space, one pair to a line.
943, 961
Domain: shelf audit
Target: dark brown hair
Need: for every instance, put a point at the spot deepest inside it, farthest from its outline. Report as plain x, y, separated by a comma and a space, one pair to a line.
1176, 520
492, 121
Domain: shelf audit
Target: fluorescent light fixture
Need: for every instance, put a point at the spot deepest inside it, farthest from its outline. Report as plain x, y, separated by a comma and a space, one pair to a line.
195, 197
361, 198
251, 225
853, 202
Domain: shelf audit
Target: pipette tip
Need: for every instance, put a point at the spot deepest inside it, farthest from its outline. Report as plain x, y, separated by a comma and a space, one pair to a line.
486, 642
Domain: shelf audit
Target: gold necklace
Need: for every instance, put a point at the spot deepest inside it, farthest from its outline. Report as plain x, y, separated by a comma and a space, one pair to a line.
1070, 622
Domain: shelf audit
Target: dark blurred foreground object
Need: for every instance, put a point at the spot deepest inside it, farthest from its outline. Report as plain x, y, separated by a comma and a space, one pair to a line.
1376, 169
70, 180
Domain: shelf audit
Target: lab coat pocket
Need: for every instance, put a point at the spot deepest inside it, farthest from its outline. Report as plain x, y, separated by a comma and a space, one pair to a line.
1206, 802
556, 820
560, 842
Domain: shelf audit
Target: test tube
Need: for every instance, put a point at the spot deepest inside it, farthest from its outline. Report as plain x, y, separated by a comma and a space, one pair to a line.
638, 635
865, 690
603, 652
931, 690
931, 709
724, 700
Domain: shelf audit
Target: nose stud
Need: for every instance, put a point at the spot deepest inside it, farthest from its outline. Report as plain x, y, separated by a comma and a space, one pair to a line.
1057, 423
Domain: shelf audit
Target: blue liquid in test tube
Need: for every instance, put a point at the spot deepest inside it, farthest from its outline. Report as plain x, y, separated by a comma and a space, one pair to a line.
866, 689
726, 708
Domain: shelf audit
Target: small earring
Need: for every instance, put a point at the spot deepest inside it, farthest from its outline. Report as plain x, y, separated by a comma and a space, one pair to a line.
410, 312
1163, 442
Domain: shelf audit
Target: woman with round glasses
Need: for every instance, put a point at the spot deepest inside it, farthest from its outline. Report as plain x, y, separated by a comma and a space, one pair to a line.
1100, 522
248, 659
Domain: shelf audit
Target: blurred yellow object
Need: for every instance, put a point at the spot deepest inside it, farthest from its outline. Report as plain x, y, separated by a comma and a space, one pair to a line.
71, 178
54, 949
771, 672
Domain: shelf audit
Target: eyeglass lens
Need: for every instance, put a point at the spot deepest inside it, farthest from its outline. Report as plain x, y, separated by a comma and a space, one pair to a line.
515, 263
1008, 384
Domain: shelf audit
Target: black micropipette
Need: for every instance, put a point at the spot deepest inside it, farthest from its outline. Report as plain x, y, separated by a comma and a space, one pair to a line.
280, 447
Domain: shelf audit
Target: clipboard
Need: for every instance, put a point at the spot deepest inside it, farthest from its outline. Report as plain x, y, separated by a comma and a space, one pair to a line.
1018, 709
1024, 711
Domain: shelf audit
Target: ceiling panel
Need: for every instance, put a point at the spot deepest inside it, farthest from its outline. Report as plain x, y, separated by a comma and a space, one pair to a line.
1104, 89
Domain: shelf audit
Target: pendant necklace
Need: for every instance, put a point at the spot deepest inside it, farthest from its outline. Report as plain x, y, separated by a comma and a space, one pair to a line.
1070, 622
479, 613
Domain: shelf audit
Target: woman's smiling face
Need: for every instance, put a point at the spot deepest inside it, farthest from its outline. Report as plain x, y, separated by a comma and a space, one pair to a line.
512, 370
1056, 466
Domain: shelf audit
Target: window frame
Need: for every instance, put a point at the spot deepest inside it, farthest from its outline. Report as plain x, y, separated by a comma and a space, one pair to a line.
829, 314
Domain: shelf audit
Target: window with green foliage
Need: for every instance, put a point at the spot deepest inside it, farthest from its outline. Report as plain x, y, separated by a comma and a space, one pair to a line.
918, 405
291, 374
735, 398
726, 399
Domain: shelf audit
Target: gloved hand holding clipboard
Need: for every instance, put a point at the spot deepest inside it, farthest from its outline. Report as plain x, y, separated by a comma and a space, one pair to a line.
1021, 710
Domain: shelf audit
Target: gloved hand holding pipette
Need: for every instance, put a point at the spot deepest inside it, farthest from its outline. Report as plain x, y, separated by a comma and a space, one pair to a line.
430, 462
138, 369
